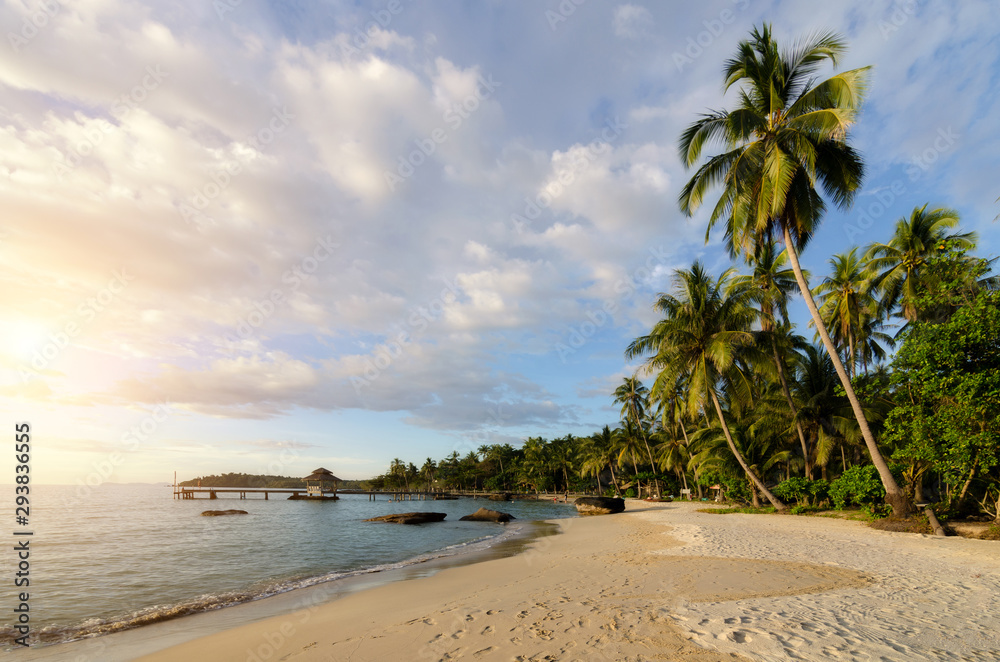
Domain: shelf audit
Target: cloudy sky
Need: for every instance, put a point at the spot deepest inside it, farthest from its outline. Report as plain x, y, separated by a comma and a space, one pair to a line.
268, 236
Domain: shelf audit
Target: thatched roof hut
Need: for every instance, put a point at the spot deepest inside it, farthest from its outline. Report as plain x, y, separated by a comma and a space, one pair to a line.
322, 475
319, 482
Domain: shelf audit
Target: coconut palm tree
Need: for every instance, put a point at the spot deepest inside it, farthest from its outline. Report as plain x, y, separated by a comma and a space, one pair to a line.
760, 447
847, 303
601, 452
899, 261
427, 472
629, 445
634, 399
563, 457
703, 331
769, 285
786, 137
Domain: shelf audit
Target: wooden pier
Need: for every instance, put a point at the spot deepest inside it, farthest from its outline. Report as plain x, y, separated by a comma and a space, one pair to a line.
181, 492
214, 492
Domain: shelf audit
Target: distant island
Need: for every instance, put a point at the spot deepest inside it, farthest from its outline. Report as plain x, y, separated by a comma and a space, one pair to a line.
261, 480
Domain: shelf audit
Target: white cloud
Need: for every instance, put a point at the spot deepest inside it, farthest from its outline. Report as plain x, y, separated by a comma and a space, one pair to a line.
632, 21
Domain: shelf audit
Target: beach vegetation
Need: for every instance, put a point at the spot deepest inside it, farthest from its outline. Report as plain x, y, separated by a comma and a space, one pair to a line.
786, 139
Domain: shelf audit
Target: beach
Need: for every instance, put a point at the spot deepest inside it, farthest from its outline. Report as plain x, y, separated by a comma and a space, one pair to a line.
658, 582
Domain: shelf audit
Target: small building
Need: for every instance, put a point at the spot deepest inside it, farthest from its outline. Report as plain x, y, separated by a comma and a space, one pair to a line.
321, 484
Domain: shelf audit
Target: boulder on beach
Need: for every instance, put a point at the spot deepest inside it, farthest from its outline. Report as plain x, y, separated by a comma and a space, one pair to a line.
219, 513
409, 518
487, 515
599, 505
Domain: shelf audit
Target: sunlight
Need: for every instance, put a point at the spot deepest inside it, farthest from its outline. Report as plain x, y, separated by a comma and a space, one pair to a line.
22, 338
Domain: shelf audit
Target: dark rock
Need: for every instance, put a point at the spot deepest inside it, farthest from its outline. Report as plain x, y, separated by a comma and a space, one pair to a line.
219, 513
599, 505
500, 497
487, 515
409, 518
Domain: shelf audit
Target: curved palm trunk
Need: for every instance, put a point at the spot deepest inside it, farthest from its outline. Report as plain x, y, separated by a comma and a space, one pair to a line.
614, 481
791, 405
775, 501
893, 495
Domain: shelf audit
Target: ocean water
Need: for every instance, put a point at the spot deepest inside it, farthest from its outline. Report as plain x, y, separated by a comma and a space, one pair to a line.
127, 555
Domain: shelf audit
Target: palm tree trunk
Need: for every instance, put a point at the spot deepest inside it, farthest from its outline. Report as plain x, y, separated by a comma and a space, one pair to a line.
614, 481
791, 405
775, 501
652, 466
687, 443
893, 495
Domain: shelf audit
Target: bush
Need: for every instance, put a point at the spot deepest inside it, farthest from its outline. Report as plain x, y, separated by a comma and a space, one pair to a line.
794, 489
820, 490
630, 493
859, 486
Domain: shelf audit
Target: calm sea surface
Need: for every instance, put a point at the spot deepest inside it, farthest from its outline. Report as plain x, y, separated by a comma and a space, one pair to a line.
127, 555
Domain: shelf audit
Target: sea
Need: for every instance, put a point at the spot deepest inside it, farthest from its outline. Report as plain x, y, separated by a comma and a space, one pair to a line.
117, 557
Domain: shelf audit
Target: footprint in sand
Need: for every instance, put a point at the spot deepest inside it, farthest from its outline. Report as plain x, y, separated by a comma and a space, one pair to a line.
739, 636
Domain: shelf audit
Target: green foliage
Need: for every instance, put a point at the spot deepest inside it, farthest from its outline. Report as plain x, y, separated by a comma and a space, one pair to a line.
859, 485
795, 489
820, 490
799, 488
947, 381
877, 510
630, 493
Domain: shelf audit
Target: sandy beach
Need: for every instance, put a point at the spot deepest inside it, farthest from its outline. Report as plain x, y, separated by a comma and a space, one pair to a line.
659, 582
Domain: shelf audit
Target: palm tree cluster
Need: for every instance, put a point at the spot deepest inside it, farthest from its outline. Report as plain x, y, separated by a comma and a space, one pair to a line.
725, 347
738, 397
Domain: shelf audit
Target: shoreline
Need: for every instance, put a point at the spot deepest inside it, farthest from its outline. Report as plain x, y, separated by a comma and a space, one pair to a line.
133, 642
601, 590
659, 581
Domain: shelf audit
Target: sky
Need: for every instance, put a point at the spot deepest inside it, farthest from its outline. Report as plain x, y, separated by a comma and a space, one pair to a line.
265, 237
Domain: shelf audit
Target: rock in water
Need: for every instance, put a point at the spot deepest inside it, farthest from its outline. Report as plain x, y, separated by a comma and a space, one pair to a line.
409, 518
487, 515
218, 513
599, 505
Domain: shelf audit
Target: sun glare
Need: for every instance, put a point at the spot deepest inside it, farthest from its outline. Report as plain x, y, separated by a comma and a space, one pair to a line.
21, 339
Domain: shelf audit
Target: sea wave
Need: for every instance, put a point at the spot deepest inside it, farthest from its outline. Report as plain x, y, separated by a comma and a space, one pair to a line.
95, 627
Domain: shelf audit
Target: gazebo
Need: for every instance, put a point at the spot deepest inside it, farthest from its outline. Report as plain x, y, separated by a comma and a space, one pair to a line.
319, 484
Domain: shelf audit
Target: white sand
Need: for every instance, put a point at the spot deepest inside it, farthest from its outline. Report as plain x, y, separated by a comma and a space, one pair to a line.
931, 598
659, 582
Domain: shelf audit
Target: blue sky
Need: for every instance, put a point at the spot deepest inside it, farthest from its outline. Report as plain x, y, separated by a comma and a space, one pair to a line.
265, 237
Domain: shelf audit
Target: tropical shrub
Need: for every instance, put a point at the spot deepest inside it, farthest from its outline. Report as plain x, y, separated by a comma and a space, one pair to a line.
859, 485
793, 489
